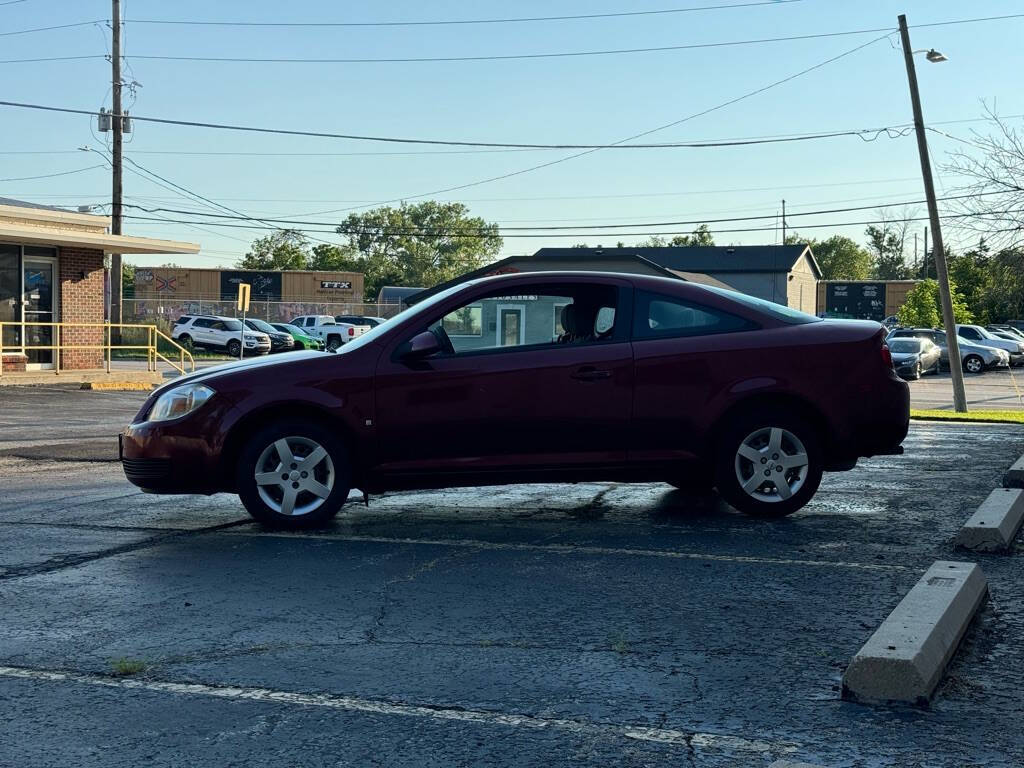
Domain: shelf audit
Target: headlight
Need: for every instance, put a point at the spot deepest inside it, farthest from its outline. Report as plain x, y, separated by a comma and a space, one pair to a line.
179, 401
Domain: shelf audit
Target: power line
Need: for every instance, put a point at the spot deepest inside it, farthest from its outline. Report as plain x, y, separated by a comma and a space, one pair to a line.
892, 131
551, 55
627, 225
48, 29
472, 234
516, 20
54, 175
694, 116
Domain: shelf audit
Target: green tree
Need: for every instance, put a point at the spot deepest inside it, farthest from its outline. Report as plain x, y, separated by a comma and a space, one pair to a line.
840, 258
281, 250
127, 280
418, 244
334, 258
922, 307
701, 236
885, 244
971, 273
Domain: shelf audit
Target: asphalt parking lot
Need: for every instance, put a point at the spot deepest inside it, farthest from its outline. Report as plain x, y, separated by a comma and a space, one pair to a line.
594, 624
997, 389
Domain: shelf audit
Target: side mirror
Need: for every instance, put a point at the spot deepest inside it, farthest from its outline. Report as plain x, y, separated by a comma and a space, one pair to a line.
421, 346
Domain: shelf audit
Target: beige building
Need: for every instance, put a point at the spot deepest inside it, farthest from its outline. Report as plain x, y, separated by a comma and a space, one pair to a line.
53, 270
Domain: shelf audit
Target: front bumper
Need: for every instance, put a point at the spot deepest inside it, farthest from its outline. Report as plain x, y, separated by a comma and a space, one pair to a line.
178, 456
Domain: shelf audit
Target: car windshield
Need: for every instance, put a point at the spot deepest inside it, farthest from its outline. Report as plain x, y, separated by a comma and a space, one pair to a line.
986, 334
904, 345
260, 325
423, 306
778, 311
233, 325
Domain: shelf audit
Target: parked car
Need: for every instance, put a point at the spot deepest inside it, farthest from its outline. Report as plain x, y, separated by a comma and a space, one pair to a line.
302, 339
915, 356
1006, 332
973, 357
325, 327
369, 320
279, 341
584, 376
980, 335
222, 334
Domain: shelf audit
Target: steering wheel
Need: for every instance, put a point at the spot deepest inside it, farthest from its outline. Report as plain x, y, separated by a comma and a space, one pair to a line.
442, 338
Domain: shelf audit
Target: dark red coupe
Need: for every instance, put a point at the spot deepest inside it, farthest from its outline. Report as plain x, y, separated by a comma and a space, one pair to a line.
538, 377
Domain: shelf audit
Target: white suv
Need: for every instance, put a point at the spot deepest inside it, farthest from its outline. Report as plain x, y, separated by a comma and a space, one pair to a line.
223, 334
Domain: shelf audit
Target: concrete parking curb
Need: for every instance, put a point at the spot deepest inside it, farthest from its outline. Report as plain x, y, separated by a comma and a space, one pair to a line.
903, 661
993, 527
1014, 477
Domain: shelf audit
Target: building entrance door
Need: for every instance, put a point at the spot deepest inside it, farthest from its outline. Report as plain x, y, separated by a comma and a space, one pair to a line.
39, 310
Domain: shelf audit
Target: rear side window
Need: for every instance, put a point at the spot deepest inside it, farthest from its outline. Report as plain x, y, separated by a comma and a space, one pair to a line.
203, 322
658, 316
183, 320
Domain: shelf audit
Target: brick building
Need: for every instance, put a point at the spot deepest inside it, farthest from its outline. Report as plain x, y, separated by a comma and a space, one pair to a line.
53, 270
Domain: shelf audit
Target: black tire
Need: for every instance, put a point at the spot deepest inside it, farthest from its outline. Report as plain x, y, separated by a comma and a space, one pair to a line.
249, 491
234, 348
726, 460
333, 343
973, 364
185, 341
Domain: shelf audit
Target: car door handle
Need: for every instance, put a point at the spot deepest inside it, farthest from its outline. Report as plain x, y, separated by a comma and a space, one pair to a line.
589, 373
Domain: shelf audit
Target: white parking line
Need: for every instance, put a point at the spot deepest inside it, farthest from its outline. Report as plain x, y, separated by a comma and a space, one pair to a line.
684, 739
572, 549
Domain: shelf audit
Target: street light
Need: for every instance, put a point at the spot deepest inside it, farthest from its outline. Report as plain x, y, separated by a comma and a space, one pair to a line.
938, 249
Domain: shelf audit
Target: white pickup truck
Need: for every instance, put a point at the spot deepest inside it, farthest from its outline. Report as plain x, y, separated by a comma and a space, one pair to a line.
330, 330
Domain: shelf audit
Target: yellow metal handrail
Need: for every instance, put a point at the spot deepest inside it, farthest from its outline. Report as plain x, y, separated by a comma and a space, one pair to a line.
58, 346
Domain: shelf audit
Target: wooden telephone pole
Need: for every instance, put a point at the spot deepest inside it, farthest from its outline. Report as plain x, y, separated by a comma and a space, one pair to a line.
116, 312
938, 251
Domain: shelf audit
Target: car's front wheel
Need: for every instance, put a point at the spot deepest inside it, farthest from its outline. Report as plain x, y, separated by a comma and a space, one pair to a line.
293, 475
769, 466
974, 364
234, 348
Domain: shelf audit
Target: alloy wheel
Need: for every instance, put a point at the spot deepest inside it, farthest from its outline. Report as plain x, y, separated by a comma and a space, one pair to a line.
973, 364
771, 464
294, 476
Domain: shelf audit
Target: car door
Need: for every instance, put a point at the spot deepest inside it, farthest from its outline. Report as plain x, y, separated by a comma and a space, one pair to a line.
200, 331
513, 391
685, 356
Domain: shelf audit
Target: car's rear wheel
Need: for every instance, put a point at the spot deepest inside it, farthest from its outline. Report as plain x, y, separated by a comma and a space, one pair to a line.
770, 465
293, 475
333, 343
185, 341
974, 364
234, 348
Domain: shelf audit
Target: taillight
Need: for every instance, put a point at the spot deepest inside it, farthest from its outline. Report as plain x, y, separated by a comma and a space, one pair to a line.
886, 355
351, 331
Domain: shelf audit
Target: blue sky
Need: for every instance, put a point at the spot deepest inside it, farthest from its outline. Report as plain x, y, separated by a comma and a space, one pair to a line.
587, 99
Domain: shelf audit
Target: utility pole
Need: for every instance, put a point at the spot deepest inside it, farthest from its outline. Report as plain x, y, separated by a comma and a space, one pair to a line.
116, 312
783, 222
915, 253
924, 261
955, 368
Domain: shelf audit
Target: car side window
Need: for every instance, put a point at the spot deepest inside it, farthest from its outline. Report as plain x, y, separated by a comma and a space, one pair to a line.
969, 333
202, 322
659, 316
218, 325
553, 315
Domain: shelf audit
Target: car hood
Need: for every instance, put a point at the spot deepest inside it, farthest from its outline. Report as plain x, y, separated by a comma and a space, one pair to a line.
214, 372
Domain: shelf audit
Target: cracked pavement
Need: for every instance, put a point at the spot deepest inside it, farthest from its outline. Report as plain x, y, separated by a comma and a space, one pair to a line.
592, 624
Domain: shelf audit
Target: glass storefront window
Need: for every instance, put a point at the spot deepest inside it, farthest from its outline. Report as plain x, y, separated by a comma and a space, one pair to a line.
10, 293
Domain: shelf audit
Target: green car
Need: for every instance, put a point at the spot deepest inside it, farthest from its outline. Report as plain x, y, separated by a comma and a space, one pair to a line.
302, 340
